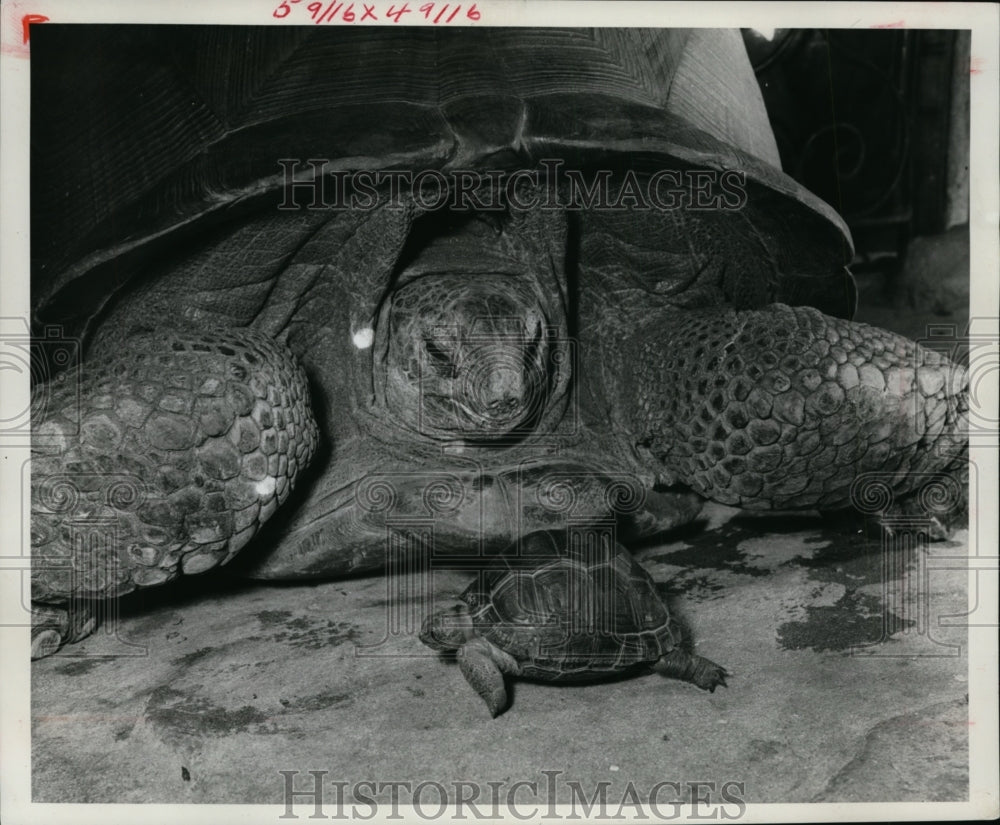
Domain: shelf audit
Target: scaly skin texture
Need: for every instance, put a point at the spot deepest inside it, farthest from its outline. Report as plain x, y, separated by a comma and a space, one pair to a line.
784, 407
466, 356
165, 459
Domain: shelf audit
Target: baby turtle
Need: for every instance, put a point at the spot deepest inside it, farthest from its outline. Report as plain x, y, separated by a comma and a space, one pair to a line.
563, 611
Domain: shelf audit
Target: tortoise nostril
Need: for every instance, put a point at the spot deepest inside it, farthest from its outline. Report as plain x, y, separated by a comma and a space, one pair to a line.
503, 406
498, 391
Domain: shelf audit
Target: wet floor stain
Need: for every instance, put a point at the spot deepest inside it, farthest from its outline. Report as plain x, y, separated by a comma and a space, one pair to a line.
194, 656
317, 701
716, 550
848, 561
313, 636
851, 561
855, 620
273, 618
309, 632
175, 713
80, 666
692, 585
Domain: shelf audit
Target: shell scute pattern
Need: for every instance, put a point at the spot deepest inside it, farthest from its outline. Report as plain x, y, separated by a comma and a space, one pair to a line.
567, 614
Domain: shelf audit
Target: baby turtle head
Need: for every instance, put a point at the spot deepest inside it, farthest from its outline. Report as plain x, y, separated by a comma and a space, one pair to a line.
447, 630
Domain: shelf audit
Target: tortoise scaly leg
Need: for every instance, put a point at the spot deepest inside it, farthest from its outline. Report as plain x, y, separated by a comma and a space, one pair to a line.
483, 665
53, 626
163, 459
785, 407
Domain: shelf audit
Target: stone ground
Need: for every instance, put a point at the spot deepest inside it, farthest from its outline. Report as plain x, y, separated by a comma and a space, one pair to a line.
841, 689
844, 687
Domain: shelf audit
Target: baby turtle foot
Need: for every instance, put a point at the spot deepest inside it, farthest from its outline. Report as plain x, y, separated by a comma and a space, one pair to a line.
483, 667
482, 663
53, 626
688, 667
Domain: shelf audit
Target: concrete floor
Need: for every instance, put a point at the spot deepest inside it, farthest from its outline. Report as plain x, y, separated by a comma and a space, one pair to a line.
238, 682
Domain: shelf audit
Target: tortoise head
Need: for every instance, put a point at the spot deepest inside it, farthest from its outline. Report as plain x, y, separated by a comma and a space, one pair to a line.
447, 630
467, 356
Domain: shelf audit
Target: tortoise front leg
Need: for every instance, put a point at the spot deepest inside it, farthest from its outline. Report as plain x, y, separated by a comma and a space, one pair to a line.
784, 407
52, 626
162, 460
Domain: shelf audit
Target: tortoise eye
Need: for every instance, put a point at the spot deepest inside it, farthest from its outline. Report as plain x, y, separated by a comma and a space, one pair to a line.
441, 360
438, 354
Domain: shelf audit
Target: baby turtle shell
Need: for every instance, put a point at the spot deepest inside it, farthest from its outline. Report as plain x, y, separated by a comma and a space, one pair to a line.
571, 613
563, 606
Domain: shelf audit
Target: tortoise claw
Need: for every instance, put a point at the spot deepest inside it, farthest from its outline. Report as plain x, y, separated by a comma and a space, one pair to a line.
708, 675
715, 676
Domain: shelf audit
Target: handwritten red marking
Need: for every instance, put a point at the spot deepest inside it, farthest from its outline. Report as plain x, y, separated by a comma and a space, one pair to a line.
976, 65
330, 12
899, 24
284, 8
26, 22
344, 11
395, 13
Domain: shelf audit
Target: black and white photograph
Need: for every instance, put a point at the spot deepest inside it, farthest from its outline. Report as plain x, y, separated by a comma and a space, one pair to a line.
499, 411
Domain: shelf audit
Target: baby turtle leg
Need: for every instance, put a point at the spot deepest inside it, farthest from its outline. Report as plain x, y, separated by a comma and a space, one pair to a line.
703, 672
483, 666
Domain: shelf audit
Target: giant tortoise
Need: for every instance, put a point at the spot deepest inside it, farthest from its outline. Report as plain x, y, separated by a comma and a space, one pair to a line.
571, 285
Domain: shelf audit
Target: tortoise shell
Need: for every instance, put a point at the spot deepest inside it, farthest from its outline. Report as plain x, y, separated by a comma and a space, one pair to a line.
571, 610
180, 130
169, 207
